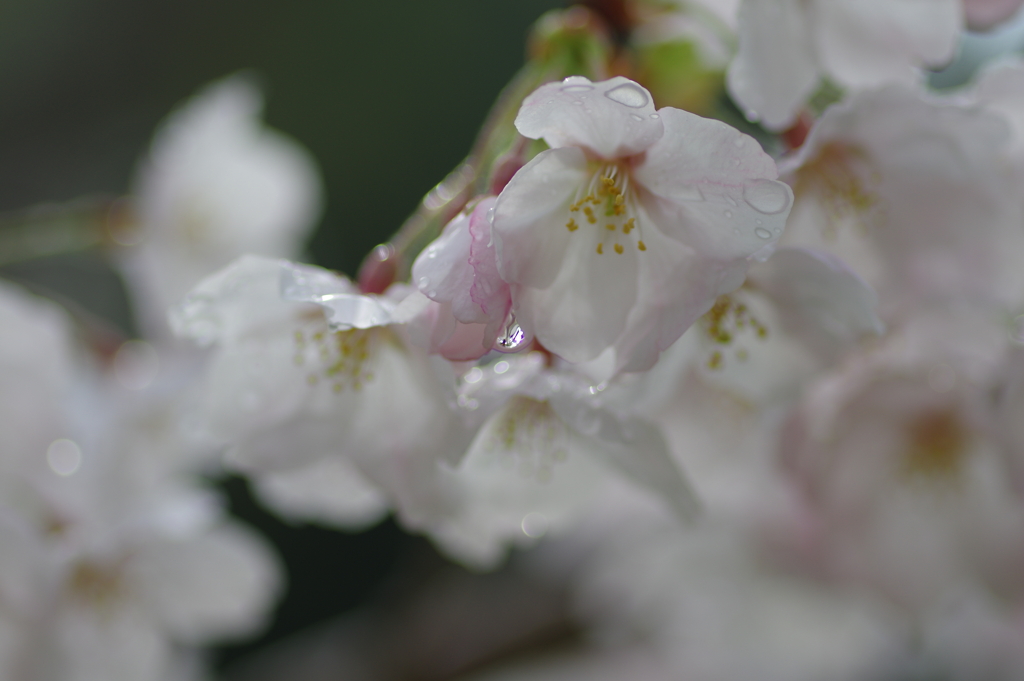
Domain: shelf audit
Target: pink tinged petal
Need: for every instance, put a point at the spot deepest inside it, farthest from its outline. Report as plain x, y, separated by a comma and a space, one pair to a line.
489, 291
611, 118
821, 300
585, 308
982, 15
529, 224
460, 268
713, 188
864, 43
442, 271
436, 329
775, 70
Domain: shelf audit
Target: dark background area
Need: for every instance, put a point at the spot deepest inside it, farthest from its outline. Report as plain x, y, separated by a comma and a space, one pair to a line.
387, 96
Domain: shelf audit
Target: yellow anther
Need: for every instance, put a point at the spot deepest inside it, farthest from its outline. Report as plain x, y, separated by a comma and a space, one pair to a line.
600, 249
610, 227
715, 361
629, 226
618, 248
641, 245
590, 215
571, 225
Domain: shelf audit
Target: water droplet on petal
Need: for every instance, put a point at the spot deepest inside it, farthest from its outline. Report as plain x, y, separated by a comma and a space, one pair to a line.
635, 117
655, 116
423, 283
763, 233
628, 94
577, 88
728, 213
578, 102
759, 221
739, 142
514, 338
767, 196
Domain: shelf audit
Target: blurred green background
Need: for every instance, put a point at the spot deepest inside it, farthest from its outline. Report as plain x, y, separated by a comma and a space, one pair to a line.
388, 97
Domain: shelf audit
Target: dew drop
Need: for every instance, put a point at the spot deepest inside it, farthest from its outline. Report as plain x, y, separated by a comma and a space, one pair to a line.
655, 116
514, 338
577, 88
728, 213
432, 253
739, 142
423, 282
578, 102
763, 233
759, 221
635, 117
767, 196
628, 94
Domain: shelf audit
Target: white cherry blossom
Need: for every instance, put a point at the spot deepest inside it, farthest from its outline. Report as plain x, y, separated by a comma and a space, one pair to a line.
918, 196
216, 183
633, 223
787, 47
550, 450
114, 561
307, 371
905, 477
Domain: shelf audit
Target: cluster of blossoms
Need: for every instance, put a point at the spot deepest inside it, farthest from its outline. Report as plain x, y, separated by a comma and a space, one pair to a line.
773, 399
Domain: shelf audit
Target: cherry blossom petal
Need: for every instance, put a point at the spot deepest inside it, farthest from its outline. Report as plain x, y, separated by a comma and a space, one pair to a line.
611, 118
675, 287
218, 584
461, 268
774, 72
820, 299
868, 42
713, 188
330, 490
982, 15
530, 214
585, 308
